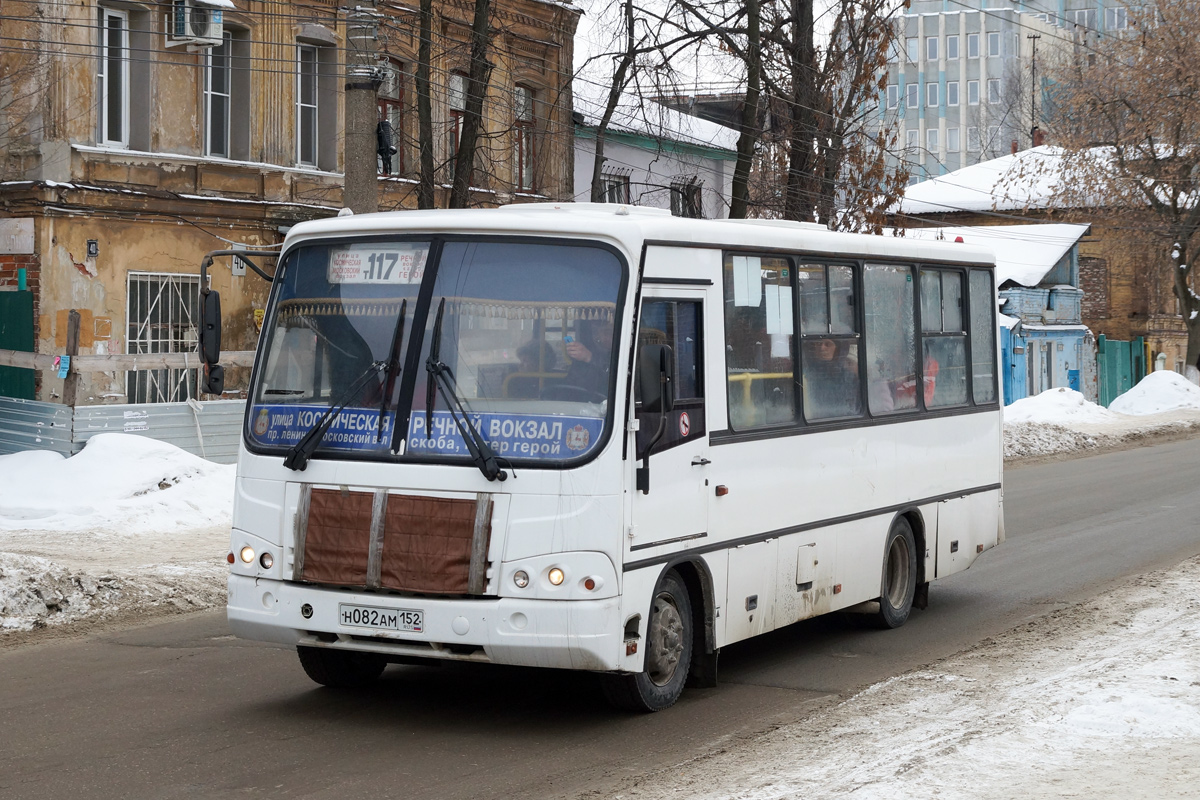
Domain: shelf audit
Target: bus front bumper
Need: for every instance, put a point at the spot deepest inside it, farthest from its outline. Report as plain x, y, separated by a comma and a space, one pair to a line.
564, 634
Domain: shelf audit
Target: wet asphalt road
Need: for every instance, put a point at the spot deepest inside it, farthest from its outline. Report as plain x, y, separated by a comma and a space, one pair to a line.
182, 709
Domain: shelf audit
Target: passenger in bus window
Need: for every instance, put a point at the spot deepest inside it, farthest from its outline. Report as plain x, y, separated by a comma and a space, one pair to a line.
831, 387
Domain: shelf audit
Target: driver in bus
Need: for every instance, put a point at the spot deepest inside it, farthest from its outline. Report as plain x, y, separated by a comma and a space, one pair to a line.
589, 352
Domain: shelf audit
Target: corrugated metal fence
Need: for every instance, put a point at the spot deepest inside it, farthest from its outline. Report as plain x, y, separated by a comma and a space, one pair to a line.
210, 429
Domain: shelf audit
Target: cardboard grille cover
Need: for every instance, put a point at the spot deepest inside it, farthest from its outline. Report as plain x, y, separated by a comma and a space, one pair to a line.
427, 544
338, 537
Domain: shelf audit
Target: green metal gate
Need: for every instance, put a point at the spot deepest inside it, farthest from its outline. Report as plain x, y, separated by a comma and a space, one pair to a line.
1119, 365
16, 333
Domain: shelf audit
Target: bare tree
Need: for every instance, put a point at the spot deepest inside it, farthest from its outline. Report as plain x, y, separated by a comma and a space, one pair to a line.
425, 183
1127, 112
472, 119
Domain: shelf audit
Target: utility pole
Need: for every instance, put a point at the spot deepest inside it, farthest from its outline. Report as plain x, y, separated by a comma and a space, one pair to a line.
363, 76
1033, 120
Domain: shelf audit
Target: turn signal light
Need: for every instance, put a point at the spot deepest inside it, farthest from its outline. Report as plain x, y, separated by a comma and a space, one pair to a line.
589, 584
556, 576
230, 558
247, 554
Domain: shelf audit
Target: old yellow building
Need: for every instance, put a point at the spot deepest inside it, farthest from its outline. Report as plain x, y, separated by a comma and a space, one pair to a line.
136, 137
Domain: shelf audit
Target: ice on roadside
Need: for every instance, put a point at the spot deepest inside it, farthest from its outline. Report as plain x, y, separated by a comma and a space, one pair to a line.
1157, 393
118, 483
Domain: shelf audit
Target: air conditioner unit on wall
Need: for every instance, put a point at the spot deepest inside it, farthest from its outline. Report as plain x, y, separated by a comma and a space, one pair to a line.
195, 23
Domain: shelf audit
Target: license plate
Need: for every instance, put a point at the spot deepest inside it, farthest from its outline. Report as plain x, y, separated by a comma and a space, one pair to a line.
390, 619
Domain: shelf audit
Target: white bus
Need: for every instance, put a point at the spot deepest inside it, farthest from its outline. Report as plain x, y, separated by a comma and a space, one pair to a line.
599, 437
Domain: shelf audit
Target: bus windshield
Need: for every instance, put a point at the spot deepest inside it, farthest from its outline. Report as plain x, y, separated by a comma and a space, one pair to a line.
525, 344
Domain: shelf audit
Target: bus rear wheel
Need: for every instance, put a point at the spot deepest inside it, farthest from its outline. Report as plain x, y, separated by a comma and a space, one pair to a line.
668, 653
899, 576
340, 669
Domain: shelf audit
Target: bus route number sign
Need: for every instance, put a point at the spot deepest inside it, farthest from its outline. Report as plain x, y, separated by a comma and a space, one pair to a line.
377, 264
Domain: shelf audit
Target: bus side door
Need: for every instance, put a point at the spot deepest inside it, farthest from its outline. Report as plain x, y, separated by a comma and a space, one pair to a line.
675, 509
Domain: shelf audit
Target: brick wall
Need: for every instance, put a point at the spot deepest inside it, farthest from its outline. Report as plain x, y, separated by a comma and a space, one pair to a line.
1093, 280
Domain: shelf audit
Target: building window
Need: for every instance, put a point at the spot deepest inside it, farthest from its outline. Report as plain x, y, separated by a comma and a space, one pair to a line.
217, 95
972, 93
112, 78
306, 106
159, 320
951, 93
931, 140
972, 140
390, 103
615, 187
524, 154
1116, 19
456, 102
912, 95
993, 137
1083, 18
994, 43
931, 95
993, 89
972, 45
952, 143
912, 46
931, 48
951, 48
893, 95
912, 139
686, 197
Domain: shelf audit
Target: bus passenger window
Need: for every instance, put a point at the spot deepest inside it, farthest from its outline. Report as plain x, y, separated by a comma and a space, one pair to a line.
829, 355
890, 338
983, 337
943, 340
759, 325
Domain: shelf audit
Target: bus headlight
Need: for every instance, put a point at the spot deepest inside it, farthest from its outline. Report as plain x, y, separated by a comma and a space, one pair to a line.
247, 554
556, 576
521, 578
267, 560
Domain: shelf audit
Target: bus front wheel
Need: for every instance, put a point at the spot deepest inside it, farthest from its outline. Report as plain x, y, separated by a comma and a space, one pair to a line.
899, 576
668, 653
340, 669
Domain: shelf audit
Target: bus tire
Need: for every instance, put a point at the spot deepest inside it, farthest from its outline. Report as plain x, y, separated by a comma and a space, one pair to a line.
340, 669
899, 576
669, 633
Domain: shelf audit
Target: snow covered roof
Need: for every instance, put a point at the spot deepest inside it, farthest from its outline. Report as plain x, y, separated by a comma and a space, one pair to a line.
1026, 180
646, 118
1024, 253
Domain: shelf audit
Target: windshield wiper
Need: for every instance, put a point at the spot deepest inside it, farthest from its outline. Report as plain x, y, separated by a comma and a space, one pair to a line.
297, 457
441, 379
393, 366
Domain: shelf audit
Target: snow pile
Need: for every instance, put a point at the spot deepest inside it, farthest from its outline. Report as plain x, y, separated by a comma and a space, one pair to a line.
1063, 706
1156, 393
1061, 421
129, 526
119, 482
37, 593
1061, 406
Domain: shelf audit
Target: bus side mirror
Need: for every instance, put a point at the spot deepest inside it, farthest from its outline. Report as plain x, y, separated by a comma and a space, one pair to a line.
210, 342
656, 377
210, 327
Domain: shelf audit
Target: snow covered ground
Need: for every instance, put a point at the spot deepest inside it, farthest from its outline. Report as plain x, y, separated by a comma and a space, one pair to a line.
131, 529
